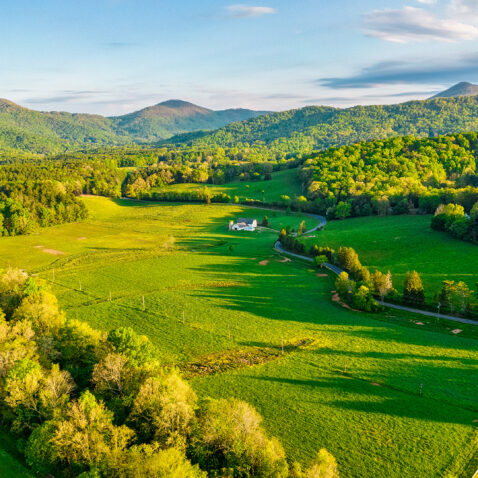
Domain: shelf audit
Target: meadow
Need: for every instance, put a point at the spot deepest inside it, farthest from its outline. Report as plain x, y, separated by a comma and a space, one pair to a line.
353, 387
404, 243
283, 182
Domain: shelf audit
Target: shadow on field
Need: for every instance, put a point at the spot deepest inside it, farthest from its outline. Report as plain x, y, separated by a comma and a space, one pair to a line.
383, 400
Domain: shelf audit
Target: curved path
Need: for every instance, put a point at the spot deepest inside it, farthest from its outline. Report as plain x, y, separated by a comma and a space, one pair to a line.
337, 270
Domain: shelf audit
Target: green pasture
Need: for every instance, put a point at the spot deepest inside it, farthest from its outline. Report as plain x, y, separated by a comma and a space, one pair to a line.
404, 243
208, 290
283, 182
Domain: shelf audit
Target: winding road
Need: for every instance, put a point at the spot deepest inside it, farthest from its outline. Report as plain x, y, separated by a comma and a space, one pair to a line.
337, 270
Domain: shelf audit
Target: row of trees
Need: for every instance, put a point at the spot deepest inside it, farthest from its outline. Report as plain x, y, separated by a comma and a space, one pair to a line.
92, 404
359, 287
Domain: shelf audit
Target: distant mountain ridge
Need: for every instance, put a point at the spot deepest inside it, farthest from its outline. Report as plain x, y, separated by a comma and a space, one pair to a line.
50, 132
319, 127
460, 89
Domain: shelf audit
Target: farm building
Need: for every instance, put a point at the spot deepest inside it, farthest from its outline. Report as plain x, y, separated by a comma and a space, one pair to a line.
243, 224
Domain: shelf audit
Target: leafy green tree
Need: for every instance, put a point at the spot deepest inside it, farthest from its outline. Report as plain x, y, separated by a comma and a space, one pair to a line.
41, 309
301, 229
323, 466
230, 435
382, 283
164, 410
413, 292
137, 348
343, 210
342, 284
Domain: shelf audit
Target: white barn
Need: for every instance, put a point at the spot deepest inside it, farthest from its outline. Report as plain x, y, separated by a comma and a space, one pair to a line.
243, 224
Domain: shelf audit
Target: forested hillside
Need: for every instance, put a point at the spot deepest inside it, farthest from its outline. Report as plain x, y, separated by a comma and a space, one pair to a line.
317, 127
395, 175
53, 132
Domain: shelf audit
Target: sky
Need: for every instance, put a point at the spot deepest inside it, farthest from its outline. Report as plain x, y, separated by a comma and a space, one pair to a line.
112, 57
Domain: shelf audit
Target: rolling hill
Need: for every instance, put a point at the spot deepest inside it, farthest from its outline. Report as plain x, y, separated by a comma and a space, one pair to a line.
51, 132
318, 127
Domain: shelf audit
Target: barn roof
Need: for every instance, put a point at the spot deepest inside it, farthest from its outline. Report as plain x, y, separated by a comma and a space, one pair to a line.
246, 220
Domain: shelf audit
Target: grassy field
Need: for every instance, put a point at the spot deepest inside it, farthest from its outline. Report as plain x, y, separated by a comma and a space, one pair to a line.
404, 243
283, 182
235, 293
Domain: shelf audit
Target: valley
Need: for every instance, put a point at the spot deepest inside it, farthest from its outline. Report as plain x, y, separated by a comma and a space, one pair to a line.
208, 291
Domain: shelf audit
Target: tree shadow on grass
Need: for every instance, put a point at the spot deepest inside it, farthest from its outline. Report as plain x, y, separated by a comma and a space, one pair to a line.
383, 400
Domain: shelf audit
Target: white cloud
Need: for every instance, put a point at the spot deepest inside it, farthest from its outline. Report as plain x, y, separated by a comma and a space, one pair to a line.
243, 11
427, 2
417, 24
466, 10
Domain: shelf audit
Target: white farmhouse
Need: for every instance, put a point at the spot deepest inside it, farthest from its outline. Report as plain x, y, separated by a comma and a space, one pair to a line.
244, 224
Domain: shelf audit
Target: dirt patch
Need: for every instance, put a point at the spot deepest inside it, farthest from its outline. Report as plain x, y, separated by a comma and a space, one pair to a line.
322, 275
53, 252
336, 298
375, 384
456, 331
38, 247
264, 262
286, 259
253, 258
82, 239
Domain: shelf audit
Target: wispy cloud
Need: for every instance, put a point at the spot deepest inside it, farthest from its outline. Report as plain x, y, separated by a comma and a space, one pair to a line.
408, 72
418, 24
244, 11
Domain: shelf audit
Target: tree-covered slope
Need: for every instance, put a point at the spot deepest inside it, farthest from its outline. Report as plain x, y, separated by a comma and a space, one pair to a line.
317, 127
52, 132
174, 116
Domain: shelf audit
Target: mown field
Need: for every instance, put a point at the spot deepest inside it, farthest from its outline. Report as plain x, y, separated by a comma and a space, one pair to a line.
209, 291
404, 243
283, 182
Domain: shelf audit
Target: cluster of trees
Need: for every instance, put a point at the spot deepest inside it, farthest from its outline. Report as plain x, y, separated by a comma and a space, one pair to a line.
452, 218
25, 206
357, 285
394, 176
92, 404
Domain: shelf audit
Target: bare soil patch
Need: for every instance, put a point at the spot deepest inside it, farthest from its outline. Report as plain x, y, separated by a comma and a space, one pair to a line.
286, 259
53, 252
336, 298
322, 275
264, 262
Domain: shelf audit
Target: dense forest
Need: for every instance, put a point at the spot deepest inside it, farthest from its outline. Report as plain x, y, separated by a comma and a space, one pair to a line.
317, 127
398, 176
87, 403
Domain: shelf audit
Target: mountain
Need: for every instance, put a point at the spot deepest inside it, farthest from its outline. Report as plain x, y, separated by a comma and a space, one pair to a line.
52, 132
460, 89
170, 117
318, 127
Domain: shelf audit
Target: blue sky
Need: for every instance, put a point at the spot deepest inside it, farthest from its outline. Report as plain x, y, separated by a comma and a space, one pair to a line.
115, 56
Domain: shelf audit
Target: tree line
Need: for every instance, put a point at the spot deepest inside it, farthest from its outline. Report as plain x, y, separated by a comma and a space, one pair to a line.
360, 287
93, 404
